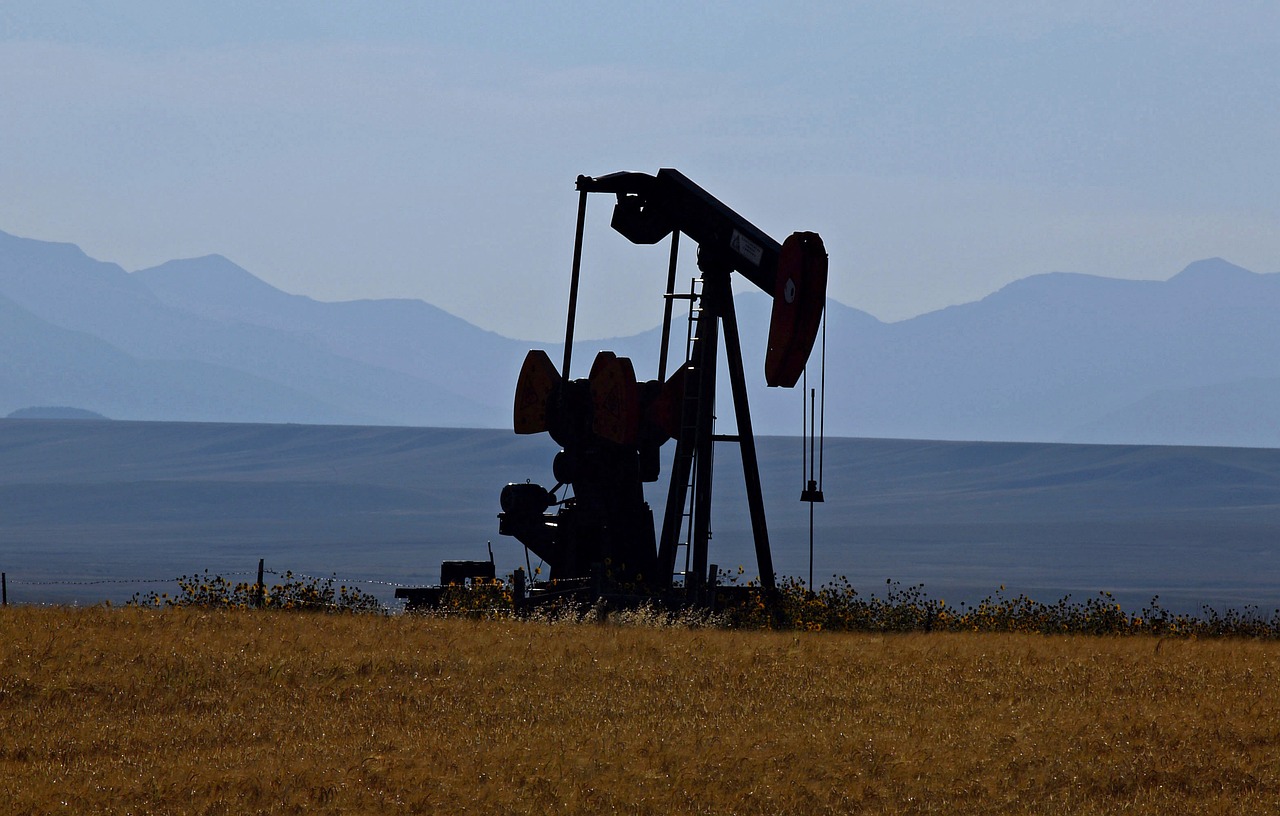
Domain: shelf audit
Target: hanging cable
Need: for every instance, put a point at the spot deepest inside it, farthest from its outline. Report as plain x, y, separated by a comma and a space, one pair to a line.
813, 433
822, 408
804, 431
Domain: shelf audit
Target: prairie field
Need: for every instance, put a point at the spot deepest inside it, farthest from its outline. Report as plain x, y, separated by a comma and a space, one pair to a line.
187, 710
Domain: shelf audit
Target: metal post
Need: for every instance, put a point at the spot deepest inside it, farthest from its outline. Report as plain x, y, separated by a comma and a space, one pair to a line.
666, 309
811, 546
747, 442
259, 590
4, 589
704, 444
811, 486
517, 591
573, 282
678, 488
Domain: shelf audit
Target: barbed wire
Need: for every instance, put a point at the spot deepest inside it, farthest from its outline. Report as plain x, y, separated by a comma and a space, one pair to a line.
94, 581
21, 582
304, 576
298, 575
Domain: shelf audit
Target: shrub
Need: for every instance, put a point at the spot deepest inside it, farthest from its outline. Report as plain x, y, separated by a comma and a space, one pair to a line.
302, 593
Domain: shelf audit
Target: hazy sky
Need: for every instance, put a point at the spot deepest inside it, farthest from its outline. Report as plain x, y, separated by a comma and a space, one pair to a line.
429, 150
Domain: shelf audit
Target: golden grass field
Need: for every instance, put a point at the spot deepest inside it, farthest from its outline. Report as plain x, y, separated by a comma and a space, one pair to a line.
193, 711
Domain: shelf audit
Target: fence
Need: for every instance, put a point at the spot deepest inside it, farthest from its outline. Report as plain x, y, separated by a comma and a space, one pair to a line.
259, 584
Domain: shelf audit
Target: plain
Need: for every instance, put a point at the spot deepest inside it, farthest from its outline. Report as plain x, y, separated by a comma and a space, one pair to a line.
86, 504
190, 711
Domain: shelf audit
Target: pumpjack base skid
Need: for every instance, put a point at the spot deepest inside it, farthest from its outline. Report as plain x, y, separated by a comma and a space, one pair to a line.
579, 597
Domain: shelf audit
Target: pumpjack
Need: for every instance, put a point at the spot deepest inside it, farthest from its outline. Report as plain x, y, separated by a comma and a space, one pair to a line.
611, 426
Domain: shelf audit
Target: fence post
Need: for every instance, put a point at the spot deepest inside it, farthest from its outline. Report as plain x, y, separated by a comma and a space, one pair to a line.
517, 591
260, 590
4, 589
597, 580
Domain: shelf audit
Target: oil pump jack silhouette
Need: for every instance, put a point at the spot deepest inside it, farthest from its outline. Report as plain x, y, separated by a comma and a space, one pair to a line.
611, 426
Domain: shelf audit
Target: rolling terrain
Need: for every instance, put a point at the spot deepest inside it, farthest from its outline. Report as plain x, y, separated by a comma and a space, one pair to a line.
92, 501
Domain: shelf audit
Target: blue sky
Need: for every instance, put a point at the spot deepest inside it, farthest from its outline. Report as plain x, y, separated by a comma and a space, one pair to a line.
429, 150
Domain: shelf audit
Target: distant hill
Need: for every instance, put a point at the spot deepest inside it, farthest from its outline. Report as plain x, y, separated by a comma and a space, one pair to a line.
1057, 357
1246, 412
208, 364
45, 364
54, 412
1052, 354
412, 339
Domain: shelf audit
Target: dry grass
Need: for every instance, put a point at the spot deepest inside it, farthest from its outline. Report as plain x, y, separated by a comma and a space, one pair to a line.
189, 711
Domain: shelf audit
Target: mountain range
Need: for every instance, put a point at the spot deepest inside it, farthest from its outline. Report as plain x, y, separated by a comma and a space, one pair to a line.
1192, 360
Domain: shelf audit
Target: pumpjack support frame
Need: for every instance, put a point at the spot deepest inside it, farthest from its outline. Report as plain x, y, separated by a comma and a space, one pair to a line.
648, 208
611, 427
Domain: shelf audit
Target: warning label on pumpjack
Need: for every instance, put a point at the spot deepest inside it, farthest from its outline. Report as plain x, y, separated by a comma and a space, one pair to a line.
745, 247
